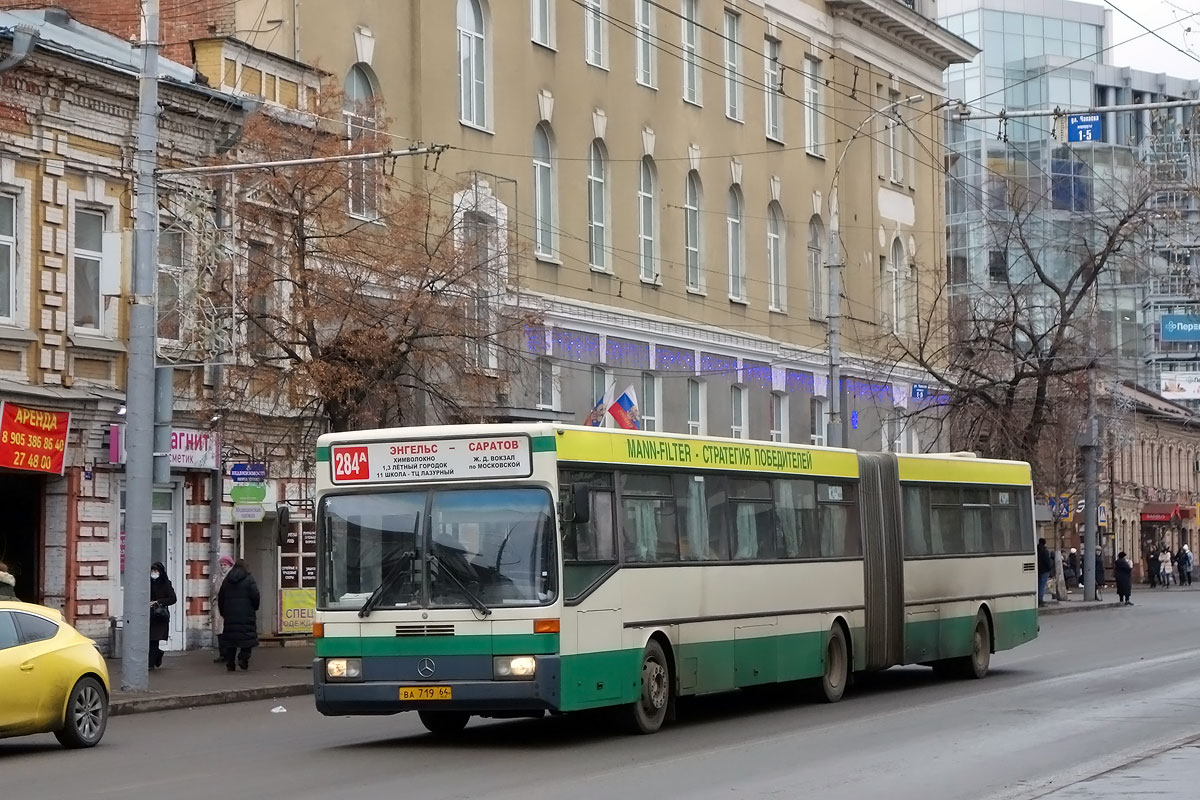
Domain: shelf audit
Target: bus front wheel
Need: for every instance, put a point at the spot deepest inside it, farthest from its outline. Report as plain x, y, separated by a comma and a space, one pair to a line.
444, 723
648, 713
837, 666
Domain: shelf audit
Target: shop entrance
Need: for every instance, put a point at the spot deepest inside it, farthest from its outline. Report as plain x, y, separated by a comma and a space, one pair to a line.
21, 532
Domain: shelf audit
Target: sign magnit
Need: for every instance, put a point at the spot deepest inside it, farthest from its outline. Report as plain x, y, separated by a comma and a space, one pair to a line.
1179, 328
449, 459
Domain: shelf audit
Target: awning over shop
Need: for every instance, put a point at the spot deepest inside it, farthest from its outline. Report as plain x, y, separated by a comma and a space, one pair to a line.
1164, 512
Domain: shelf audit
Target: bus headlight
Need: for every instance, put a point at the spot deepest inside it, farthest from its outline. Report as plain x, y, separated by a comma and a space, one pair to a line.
513, 668
343, 669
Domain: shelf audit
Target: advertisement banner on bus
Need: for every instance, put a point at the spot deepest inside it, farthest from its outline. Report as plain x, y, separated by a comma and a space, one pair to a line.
432, 460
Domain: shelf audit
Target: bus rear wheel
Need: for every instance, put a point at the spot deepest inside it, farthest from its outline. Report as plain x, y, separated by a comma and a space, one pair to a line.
444, 723
837, 666
976, 664
647, 714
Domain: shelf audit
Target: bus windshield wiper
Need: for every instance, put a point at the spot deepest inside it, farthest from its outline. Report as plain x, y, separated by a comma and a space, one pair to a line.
376, 597
462, 587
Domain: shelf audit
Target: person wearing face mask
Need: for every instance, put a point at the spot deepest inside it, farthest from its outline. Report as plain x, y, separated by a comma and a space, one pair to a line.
162, 596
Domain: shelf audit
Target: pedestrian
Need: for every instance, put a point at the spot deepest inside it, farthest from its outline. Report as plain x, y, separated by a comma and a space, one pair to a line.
1185, 563
1100, 582
1154, 568
1074, 576
1044, 566
8, 583
224, 565
1168, 569
237, 601
1123, 573
162, 597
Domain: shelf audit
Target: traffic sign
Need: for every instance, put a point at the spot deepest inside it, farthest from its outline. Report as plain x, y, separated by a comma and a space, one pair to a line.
248, 492
1085, 127
248, 473
248, 512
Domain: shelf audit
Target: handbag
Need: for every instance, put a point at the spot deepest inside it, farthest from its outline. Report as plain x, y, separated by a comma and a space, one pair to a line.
160, 613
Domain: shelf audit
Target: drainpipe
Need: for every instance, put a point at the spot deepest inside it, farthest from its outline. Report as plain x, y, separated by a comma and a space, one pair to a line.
25, 39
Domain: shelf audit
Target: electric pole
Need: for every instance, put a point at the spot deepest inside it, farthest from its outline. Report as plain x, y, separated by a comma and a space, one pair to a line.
139, 381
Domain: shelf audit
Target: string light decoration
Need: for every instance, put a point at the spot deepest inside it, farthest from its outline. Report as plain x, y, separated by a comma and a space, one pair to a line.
670, 359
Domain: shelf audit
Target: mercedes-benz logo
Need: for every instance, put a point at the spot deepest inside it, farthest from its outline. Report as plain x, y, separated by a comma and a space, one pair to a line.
426, 667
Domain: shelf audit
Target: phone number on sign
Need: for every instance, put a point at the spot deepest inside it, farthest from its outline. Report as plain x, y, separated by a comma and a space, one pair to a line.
32, 460
32, 440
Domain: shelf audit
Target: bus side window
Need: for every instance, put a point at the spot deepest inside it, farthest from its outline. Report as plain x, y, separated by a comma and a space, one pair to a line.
916, 521
589, 548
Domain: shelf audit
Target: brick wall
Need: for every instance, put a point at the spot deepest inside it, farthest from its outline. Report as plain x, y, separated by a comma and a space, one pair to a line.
183, 21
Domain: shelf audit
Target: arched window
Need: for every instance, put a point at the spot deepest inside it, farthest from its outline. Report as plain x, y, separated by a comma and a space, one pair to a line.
472, 64
816, 266
735, 244
597, 206
361, 131
544, 192
776, 258
647, 220
899, 286
691, 231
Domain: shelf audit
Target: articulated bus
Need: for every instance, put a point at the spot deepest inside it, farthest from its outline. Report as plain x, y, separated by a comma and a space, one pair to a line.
518, 570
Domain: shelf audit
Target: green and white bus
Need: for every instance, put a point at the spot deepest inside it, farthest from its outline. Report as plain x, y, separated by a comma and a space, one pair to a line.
519, 570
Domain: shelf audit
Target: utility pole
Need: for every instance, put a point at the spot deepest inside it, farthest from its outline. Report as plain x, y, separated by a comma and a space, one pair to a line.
1090, 445
833, 431
139, 381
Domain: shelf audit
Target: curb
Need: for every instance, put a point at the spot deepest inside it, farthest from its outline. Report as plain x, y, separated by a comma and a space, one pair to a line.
1069, 607
141, 705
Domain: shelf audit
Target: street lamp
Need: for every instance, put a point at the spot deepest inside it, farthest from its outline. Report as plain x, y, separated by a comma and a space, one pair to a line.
834, 264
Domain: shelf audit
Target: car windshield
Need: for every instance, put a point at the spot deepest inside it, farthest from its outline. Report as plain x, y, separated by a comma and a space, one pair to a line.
452, 548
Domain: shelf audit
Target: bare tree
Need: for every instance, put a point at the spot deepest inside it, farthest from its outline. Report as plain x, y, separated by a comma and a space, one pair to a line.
1012, 347
365, 304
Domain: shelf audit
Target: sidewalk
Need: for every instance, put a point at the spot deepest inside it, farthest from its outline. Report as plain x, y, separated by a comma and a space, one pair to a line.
192, 679
1168, 774
1075, 601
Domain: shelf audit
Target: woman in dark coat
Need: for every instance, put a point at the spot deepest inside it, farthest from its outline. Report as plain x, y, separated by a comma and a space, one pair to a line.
162, 596
237, 600
1123, 571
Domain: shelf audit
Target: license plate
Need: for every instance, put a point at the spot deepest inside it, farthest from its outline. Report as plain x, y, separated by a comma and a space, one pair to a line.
425, 693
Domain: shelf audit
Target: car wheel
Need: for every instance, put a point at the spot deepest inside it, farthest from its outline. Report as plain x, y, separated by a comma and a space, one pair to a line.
86, 717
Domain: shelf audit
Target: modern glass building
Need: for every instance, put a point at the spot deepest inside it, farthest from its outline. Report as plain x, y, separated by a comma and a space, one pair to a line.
1020, 197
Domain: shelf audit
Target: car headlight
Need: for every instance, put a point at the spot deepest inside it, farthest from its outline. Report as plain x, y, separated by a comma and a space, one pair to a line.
343, 669
510, 668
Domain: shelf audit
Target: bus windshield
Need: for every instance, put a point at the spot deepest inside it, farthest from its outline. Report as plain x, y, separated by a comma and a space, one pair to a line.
439, 549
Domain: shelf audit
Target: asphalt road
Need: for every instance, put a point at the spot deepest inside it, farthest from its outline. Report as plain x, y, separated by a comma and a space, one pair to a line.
1096, 690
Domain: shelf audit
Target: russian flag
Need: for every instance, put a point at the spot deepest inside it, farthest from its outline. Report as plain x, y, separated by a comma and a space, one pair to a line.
625, 410
595, 417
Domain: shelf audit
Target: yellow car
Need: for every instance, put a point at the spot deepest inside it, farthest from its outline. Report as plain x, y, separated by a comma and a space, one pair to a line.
52, 677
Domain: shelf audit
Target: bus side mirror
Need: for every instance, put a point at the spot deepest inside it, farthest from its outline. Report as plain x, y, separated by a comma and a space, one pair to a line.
581, 506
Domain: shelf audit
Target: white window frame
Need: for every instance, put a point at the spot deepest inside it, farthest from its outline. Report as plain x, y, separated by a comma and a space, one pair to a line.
818, 423
8, 245
545, 194
649, 401
735, 244
547, 371
895, 142
690, 44
362, 191
541, 22
893, 434
600, 384
647, 222
646, 67
472, 49
93, 256
776, 259
773, 78
595, 33
737, 411
693, 193
817, 302
695, 407
779, 417
733, 66
813, 128
895, 266
597, 198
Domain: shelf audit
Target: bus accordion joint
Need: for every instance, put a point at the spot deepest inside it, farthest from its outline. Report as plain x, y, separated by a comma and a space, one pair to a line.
545, 626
